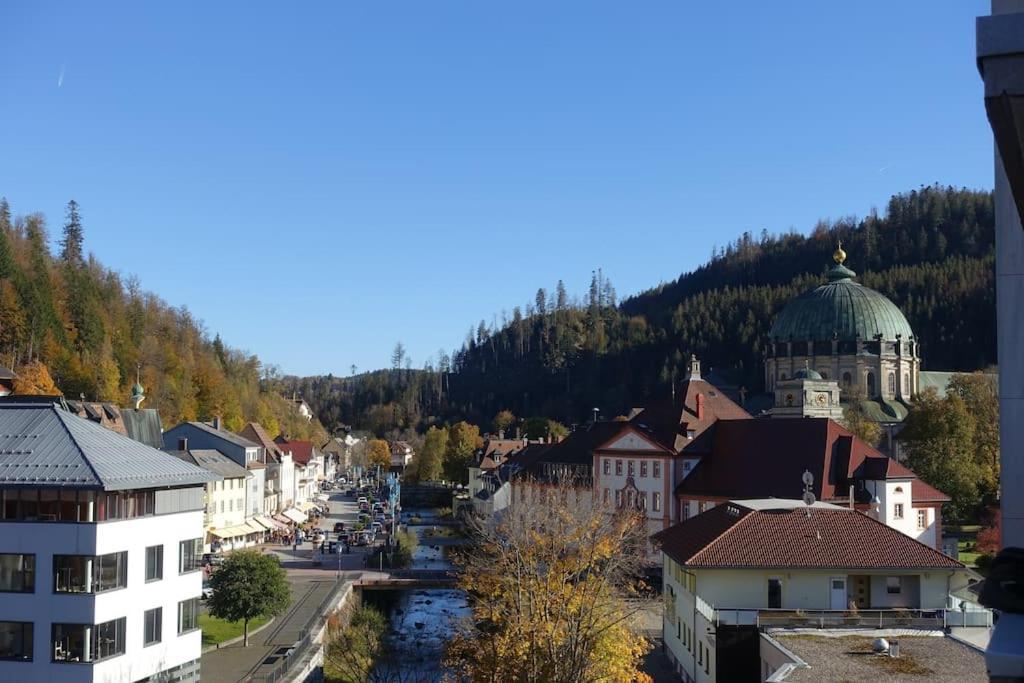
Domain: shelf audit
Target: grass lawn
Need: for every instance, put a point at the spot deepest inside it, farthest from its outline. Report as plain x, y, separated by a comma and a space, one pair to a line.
967, 558
217, 630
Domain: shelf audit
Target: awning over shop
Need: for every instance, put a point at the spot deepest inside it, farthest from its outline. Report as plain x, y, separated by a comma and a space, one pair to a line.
254, 527
283, 520
305, 506
295, 515
232, 531
267, 523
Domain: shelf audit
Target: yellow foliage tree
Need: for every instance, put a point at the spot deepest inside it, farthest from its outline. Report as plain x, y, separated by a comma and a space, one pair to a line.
34, 380
550, 582
378, 453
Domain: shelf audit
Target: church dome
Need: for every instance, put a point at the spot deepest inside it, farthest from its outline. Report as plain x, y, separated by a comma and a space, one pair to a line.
841, 309
807, 373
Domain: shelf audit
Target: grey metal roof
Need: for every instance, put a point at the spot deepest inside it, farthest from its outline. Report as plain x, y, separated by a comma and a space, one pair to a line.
224, 434
143, 425
214, 461
841, 309
42, 445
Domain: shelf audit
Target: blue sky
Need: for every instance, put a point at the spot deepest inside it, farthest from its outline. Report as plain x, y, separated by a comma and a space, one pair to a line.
319, 180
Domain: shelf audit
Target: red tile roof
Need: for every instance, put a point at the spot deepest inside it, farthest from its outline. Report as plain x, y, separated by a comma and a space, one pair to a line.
668, 421
732, 535
255, 432
758, 458
302, 451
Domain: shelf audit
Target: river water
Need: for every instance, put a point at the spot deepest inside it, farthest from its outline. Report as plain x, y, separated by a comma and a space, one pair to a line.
421, 621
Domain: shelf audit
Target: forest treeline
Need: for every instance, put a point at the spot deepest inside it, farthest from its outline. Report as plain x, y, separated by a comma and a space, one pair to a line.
931, 252
68, 318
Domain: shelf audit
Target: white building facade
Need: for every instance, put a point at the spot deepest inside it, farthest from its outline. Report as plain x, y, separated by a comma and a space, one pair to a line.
100, 572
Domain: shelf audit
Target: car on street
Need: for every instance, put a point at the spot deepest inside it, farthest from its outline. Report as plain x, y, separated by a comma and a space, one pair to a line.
339, 526
377, 527
318, 537
343, 537
207, 591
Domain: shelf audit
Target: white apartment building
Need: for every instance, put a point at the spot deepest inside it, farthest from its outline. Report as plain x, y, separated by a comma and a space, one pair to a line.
100, 548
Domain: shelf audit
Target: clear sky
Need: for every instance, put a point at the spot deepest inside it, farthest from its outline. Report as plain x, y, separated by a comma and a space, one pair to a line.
319, 180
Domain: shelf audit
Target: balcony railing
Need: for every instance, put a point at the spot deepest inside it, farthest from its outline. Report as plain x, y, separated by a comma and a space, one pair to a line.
866, 618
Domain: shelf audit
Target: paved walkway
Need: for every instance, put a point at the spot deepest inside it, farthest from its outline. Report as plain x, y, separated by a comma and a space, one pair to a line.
310, 585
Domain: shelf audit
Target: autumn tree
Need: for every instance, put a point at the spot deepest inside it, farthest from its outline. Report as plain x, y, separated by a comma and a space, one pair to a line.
938, 436
463, 441
857, 420
34, 380
554, 586
503, 422
249, 585
378, 453
430, 456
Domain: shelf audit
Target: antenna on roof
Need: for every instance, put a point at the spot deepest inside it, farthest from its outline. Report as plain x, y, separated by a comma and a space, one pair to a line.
809, 498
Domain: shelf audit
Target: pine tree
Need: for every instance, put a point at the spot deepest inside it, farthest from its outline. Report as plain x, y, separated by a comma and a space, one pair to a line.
71, 243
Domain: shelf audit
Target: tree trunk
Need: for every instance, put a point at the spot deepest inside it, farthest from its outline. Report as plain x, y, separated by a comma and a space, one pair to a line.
245, 633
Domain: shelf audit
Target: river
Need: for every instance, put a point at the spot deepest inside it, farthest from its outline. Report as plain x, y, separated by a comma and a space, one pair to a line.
421, 621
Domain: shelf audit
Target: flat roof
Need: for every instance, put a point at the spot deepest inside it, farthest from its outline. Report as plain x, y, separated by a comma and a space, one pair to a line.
933, 658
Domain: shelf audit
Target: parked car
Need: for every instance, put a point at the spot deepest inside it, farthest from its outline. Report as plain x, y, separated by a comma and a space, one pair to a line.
377, 528
207, 591
339, 526
343, 536
361, 500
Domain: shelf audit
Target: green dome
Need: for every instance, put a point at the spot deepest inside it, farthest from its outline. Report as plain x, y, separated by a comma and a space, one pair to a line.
807, 373
840, 309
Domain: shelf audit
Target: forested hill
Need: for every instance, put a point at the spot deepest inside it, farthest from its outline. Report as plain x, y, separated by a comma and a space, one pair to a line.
931, 253
68, 323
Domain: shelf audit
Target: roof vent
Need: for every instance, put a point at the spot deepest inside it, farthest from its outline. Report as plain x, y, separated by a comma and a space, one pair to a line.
732, 511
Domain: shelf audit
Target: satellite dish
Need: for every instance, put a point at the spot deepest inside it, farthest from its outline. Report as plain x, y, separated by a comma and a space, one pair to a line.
808, 478
809, 498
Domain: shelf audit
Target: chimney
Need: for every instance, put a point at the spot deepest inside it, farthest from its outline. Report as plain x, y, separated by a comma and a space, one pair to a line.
216, 422
700, 407
182, 443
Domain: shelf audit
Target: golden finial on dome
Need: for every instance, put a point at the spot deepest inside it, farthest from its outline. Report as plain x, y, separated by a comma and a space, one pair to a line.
839, 256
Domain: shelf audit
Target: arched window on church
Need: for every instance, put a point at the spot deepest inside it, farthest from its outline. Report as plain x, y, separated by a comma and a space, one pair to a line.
871, 385
847, 379
892, 383
906, 383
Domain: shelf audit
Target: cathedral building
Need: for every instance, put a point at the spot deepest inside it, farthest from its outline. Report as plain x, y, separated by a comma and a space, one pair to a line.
846, 332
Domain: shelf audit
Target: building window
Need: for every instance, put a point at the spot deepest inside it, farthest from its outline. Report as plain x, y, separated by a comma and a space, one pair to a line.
700, 653
618, 468
656, 501
606, 497
607, 466
618, 499
643, 468
656, 470
893, 585
153, 626
774, 593
847, 379
188, 615
686, 509
632, 468
86, 643
190, 555
906, 383
89, 574
17, 573
154, 563
49, 505
16, 641
892, 383
871, 385
897, 511
922, 519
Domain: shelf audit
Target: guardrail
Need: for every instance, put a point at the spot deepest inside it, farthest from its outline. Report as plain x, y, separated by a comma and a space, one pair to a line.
868, 618
296, 654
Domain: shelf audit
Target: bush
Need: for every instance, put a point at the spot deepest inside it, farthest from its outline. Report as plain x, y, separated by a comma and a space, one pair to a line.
983, 561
